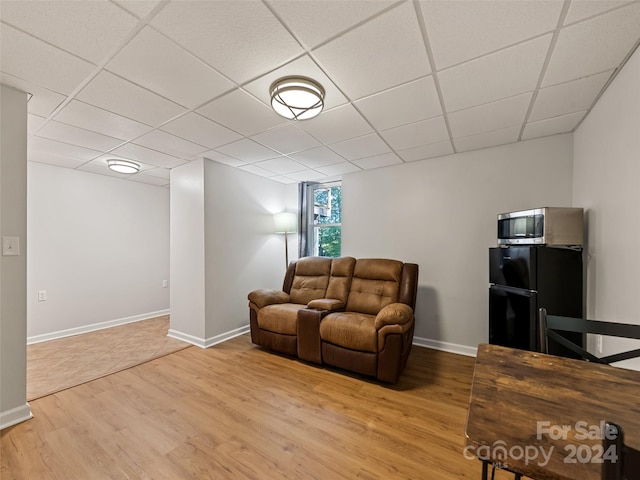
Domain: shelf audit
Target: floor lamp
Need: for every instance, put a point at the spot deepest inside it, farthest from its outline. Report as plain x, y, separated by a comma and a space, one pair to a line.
286, 222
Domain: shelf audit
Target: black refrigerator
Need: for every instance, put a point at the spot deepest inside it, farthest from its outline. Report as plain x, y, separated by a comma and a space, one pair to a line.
526, 278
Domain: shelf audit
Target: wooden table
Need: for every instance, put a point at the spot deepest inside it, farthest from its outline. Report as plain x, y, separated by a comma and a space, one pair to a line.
546, 412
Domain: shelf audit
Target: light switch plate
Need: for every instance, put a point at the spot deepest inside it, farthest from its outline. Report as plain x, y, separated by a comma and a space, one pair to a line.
10, 246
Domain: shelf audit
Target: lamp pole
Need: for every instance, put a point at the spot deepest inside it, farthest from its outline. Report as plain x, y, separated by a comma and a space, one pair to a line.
286, 250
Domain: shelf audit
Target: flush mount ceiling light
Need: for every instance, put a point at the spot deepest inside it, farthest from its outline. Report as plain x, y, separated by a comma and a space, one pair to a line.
297, 98
123, 166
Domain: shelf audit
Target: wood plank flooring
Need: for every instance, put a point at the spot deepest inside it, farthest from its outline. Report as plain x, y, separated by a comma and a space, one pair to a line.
66, 362
236, 411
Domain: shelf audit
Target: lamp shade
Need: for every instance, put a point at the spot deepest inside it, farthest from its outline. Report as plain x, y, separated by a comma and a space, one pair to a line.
285, 222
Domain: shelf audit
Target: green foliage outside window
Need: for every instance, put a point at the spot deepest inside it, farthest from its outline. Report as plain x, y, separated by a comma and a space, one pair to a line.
328, 201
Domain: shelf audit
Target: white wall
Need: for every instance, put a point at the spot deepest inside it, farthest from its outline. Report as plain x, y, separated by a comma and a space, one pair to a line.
13, 269
606, 182
224, 216
441, 214
99, 247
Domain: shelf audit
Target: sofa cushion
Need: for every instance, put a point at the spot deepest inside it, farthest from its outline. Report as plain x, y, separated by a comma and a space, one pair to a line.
375, 284
280, 318
311, 279
340, 279
350, 330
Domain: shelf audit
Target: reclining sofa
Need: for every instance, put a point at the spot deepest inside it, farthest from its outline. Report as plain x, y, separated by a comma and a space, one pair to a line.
352, 314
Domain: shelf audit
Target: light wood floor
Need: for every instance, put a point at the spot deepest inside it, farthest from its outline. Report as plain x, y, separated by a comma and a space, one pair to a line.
66, 362
236, 411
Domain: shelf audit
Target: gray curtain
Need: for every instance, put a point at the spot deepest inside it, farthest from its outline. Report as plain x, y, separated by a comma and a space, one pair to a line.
304, 192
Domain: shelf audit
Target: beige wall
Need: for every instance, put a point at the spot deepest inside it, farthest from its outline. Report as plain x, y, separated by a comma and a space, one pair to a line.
441, 214
222, 247
606, 182
94, 239
13, 269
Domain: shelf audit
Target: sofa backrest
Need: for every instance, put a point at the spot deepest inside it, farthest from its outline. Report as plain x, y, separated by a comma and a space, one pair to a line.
375, 284
340, 279
310, 279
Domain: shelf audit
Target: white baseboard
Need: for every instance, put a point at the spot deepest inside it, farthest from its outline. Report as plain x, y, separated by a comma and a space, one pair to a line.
15, 416
208, 342
446, 346
94, 326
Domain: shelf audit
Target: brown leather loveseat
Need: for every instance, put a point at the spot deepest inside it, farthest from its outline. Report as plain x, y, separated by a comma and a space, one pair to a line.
348, 313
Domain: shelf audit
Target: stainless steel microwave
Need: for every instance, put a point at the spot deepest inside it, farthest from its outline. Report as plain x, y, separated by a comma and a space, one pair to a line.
553, 226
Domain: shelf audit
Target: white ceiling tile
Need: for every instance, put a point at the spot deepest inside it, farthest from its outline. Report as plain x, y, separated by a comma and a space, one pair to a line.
159, 172
154, 62
317, 157
42, 101
401, 105
78, 136
426, 151
282, 179
361, 147
51, 159
257, 170
316, 22
488, 139
286, 139
100, 169
476, 82
140, 8
242, 113
581, 9
462, 30
98, 120
167, 143
34, 61
594, 46
568, 97
492, 116
148, 156
337, 125
339, 169
242, 40
200, 130
120, 96
281, 165
221, 158
303, 66
551, 126
248, 151
148, 179
306, 176
39, 144
378, 55
100, 24
433, 130
378, 161
34, 122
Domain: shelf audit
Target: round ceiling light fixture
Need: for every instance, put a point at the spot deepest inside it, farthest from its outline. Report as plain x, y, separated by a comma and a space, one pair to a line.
297, 98
123, 166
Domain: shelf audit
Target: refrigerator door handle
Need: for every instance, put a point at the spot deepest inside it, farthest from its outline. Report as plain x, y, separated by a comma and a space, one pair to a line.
518, 291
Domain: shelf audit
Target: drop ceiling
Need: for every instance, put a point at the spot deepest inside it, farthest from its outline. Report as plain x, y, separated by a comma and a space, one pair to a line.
166, 82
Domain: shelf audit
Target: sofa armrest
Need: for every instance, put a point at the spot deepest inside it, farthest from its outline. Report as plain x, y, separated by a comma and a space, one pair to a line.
394, 314
329, 304
262, 298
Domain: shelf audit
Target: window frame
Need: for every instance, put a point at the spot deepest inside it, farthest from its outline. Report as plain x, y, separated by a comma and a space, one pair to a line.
313, 228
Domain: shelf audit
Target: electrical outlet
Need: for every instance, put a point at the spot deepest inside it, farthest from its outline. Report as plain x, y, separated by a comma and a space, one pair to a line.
42, 295
599, 343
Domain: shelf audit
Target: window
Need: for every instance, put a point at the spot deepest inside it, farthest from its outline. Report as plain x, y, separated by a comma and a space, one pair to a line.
324, 219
